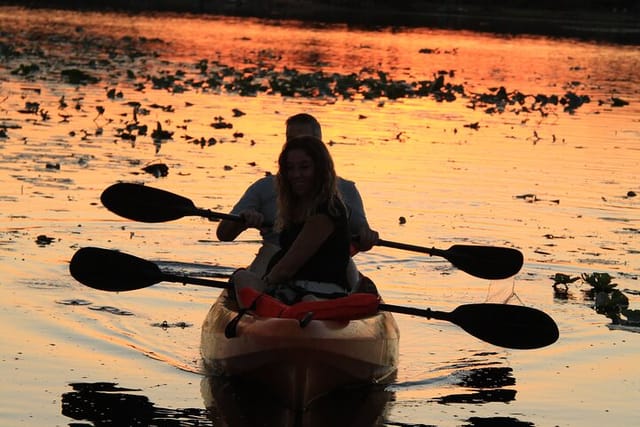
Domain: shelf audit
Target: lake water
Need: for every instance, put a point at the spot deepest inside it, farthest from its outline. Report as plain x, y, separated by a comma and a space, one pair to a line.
506, 168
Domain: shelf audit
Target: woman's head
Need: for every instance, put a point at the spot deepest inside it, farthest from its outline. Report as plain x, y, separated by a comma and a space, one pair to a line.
305, 173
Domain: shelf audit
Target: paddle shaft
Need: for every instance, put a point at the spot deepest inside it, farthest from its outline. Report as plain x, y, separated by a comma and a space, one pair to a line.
230, 217
380, 242
166, 277
209, 214
206, 213
413, 311
413, 248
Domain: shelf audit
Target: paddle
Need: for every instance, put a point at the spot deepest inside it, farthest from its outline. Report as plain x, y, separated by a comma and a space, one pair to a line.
148, 204
509, 326
503, 325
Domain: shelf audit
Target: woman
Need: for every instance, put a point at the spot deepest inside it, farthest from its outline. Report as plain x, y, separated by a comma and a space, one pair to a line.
313, 224
258, 206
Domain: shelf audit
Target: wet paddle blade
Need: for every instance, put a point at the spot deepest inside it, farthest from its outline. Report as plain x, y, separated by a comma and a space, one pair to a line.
486, 262
505, 325
145, 204
113, 271
509, 326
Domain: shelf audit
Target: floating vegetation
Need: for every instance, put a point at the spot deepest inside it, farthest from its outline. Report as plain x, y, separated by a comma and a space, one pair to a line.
160, 134
429, 51
44, 240
202, 142
166, 325
607, 300
532, 198
632, 317
474, 126
561, 283
78, 77
366, 84
25, 70
157, 169
220, 123
30, 108
259, 76
618, 102
600, 282
553, 236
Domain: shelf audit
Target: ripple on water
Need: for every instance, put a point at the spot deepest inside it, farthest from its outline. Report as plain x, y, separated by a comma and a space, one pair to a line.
111, 310
74, 302
36, 284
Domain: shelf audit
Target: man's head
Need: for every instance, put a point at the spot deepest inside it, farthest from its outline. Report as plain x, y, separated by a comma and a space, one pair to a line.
303, 124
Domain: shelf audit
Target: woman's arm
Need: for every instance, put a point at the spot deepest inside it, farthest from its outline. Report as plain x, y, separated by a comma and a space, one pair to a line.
315, 232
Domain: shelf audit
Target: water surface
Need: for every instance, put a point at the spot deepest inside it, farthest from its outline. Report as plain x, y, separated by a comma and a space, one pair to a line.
555, 181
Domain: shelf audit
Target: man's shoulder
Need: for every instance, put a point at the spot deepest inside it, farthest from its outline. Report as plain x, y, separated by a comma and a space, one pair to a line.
260, 195
264, 182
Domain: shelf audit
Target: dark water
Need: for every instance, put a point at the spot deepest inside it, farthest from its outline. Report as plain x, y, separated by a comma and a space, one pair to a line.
416, 117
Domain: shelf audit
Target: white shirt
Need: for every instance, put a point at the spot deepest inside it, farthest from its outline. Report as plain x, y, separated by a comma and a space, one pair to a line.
262, 197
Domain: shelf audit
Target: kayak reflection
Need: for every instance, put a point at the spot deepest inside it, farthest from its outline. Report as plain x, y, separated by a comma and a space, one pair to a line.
107, 404
235, 402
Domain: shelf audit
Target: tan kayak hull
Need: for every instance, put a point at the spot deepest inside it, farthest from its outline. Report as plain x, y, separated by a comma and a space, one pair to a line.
300, 364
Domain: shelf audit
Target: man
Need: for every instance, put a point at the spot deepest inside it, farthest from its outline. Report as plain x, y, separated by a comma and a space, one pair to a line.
258, 205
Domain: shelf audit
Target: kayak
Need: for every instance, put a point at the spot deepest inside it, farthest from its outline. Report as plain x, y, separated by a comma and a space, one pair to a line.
305, 353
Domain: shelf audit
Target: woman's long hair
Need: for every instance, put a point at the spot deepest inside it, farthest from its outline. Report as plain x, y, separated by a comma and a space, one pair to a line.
325, 181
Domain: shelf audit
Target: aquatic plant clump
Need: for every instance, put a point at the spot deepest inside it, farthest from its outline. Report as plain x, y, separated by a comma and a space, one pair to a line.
134, 61
367, 84
607, 300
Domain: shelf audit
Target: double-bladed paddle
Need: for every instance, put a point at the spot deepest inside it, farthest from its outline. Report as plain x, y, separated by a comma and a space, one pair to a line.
148, 204
510, 326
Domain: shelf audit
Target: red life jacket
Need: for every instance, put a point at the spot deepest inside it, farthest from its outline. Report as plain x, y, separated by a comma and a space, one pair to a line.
350, 307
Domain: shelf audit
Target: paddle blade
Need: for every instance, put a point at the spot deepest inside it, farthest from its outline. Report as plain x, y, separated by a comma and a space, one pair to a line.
145, 204
486, 262
505, 325
113, 271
